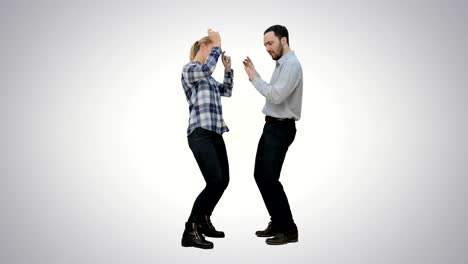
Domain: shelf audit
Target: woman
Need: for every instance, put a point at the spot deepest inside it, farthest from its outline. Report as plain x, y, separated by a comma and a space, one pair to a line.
206, 126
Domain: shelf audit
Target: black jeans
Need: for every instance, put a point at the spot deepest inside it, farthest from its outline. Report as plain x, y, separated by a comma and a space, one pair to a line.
272, 147
210, 152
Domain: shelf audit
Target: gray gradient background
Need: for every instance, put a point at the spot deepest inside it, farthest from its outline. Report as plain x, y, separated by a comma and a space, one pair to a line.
95, 166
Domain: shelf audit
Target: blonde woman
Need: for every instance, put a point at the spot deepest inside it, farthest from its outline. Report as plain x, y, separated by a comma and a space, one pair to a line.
205, 129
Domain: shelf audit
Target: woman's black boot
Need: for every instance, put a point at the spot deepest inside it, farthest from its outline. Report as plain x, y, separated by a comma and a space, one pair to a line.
207, 228
193, 238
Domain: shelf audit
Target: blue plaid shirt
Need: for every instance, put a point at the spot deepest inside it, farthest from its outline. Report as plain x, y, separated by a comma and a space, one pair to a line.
204, 93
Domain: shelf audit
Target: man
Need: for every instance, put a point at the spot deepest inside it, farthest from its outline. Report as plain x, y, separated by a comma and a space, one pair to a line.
282, 109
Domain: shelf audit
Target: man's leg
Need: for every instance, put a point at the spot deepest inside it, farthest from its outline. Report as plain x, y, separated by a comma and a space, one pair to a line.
271, 152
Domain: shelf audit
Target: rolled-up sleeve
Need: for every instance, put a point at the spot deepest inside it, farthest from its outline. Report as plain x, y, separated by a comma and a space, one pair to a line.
225, 88
194, 72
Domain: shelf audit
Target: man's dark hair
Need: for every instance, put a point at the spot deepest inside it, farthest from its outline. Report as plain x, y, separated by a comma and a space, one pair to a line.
280, 31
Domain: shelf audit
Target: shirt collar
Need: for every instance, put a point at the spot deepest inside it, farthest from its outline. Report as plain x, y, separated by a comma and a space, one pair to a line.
285, 57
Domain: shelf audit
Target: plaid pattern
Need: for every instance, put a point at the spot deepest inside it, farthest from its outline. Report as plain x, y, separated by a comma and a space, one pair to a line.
204, 93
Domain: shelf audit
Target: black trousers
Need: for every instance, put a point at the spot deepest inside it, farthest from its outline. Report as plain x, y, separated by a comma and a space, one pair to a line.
271, 152
210, 153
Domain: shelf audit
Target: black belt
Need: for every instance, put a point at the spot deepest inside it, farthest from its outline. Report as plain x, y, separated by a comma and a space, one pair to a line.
273, 120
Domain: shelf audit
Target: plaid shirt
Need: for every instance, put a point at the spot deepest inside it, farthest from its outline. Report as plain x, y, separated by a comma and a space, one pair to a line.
204, 93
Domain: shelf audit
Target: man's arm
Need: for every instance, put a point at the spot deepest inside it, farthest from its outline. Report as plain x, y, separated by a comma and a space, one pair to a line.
289, 78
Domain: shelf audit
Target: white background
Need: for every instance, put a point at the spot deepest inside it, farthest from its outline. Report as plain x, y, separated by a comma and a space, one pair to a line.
94, 161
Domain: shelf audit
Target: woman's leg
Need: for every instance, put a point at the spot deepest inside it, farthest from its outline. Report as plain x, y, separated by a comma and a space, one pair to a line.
210, 153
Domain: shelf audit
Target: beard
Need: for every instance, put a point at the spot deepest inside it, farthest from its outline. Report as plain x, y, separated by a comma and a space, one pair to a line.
277, 53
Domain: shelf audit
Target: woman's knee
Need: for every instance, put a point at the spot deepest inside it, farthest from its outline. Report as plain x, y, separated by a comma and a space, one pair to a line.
218, 184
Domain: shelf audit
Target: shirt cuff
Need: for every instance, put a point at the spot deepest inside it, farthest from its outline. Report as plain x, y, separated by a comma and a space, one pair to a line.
229, 73
257, 81
216, 50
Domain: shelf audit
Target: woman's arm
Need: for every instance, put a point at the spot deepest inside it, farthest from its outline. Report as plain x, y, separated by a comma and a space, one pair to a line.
225, 88
193, 72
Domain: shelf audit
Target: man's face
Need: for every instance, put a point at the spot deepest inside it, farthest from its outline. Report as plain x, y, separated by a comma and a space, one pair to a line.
273, 45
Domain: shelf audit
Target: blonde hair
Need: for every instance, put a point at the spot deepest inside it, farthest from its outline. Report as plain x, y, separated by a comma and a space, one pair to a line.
196, 46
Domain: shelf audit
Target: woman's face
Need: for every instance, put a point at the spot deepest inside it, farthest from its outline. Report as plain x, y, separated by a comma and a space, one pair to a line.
206, 49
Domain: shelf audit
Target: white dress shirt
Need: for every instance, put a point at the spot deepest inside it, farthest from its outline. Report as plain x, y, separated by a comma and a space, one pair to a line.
284, 92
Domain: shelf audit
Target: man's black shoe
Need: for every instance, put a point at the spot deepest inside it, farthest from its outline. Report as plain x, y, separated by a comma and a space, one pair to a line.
283, 238
270, 231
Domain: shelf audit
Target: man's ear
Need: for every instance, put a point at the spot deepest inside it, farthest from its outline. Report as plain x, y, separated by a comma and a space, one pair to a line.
284, 41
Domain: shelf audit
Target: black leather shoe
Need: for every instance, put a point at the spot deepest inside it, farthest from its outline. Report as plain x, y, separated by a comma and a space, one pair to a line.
283, 238
270, 231
207, 228
193, 238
